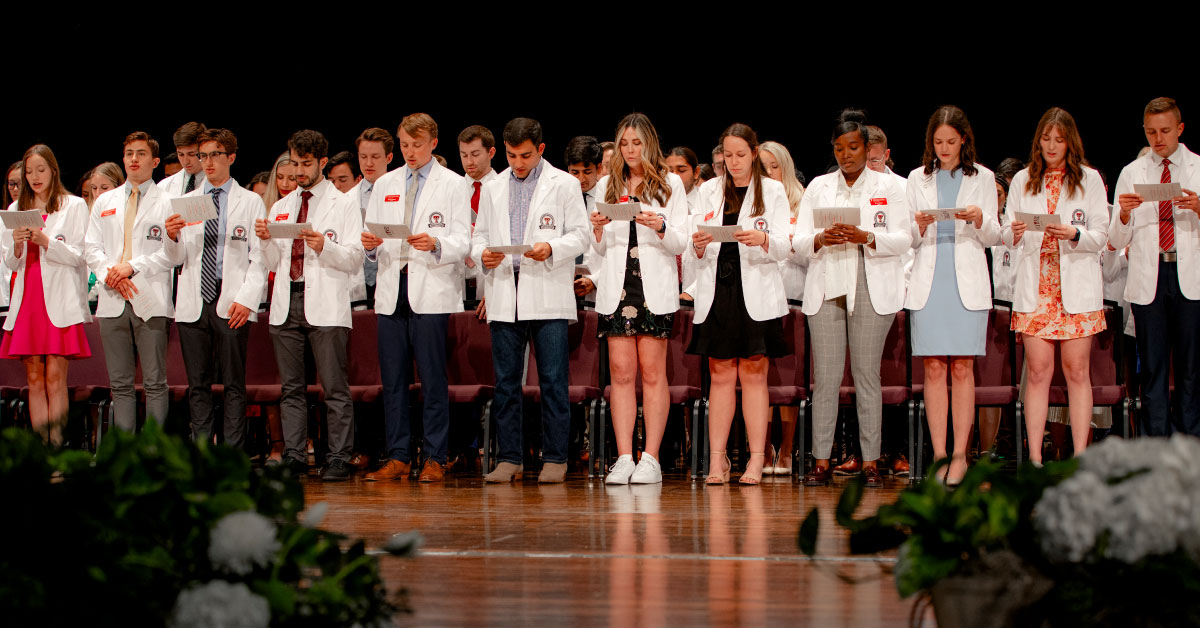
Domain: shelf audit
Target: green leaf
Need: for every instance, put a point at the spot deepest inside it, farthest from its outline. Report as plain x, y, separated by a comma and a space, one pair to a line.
848, 503
280, 596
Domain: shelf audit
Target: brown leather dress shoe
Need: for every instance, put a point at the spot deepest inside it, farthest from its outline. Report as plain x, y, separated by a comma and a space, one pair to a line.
900, 465
393, 470
360, 461
433, 472
874, 480
850, 466
819, 476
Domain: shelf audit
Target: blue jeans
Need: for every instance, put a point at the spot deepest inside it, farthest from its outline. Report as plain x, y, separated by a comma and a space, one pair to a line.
1168, 329
508, 359
404, 336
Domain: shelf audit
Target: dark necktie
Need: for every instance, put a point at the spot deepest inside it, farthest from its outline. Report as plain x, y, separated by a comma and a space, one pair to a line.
298, 243
208, 266
191, 184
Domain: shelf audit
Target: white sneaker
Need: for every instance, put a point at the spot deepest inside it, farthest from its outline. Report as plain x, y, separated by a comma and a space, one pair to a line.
647, 471
620, 471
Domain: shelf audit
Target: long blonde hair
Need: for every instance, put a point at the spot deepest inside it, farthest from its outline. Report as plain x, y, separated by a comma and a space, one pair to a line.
654, 187
787, 167
272, 194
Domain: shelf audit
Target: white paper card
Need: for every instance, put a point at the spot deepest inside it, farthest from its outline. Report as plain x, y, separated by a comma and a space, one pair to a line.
389, 232
515, 249
143, 300
28, 219
1038, 222
1157, 192
287, 230
195, 208
941, 215
622, 211
826, 217
721, 234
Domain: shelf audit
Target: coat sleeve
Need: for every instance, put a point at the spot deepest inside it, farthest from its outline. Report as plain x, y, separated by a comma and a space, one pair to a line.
255, 282
346, 255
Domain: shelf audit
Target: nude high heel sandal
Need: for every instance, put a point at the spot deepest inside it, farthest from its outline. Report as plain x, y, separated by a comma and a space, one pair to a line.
751, 479
723, 477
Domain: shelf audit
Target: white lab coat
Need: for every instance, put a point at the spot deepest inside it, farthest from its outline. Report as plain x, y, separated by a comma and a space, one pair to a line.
1004, 268
443, 211
105, 242
762, 283
1141, 234
64, 275
556, 216
473, 272
243, 277
660, 277
883, 210
970, 262
1079, 262
327, 275
173, 185
794, 269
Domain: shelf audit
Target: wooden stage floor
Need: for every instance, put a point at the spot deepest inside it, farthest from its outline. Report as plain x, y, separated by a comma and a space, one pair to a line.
583, 553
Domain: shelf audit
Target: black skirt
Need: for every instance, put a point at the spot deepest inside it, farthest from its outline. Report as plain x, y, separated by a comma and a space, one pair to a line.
728, 331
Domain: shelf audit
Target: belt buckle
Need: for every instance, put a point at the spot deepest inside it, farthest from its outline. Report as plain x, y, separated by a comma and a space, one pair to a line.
1169, 257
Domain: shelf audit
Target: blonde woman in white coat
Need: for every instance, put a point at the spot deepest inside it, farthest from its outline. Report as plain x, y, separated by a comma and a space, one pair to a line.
44, 327
1058, 290
949, 294
854, 288
637, 289
780, 167
740, 303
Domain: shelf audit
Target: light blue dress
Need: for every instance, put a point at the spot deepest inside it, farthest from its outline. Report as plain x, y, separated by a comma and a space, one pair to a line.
944, 326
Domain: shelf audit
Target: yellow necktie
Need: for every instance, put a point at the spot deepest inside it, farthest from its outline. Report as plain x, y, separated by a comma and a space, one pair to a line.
131, 207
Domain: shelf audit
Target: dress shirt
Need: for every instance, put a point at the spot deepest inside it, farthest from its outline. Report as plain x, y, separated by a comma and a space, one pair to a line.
520, 195
222, 218
142, 190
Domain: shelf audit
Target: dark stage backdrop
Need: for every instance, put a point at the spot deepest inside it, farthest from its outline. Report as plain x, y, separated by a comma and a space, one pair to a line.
264, 92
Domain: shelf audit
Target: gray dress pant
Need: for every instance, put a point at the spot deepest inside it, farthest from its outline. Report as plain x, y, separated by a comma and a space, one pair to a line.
329, 353
129, 340
213, 352
865, 331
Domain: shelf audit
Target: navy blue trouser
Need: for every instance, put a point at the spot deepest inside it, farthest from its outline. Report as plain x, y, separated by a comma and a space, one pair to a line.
1169, 327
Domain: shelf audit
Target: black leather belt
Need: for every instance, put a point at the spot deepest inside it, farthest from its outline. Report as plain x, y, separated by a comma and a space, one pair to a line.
297, 287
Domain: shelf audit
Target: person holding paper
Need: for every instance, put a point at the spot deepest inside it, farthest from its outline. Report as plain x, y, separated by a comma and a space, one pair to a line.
1164, 269
949, 294
1058, 290
420, 285
191, 173
854, 287
530, 295
124, 248
311, 301
374, 147
44, 326
220, 288
637, 289
740, 302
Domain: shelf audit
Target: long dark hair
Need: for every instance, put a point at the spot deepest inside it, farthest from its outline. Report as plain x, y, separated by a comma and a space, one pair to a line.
953, 117
1057, 118
58, 193
757, 172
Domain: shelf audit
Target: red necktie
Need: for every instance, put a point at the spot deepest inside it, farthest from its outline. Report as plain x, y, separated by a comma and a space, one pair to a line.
475, 202
298, 243
1166, 215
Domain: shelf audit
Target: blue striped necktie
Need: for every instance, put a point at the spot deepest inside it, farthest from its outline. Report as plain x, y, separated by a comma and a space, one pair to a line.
208, 269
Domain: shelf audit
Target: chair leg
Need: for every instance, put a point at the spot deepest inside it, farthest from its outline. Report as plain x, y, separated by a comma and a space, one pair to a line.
486, 419
591, 414
602, 436
916, 438
798, 447
1019, 414
1125, 403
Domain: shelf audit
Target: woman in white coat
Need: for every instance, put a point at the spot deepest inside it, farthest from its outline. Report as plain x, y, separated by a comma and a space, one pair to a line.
949, 294
740, 302
637, 289
45, 320
854, 288
1058, 289
780, 167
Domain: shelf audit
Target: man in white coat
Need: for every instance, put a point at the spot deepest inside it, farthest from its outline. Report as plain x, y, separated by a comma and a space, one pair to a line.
220, 288
311, 301
476, 148
419, 286
124, 248
1164, 269
530, 297
191, 173
374, 147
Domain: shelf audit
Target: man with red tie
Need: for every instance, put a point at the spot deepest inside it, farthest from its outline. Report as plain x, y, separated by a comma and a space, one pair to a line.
476, 148
1164, 269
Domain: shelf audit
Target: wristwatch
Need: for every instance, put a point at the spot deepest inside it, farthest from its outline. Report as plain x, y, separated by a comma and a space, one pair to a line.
870, 238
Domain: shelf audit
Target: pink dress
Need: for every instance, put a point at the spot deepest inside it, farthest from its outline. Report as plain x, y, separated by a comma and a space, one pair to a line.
33, 333
1050, 320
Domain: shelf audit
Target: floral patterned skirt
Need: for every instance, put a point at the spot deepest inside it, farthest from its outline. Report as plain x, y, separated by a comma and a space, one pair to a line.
635, 320
1049, 320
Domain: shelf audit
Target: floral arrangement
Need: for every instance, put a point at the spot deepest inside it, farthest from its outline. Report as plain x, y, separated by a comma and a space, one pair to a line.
156, 530
1109, 538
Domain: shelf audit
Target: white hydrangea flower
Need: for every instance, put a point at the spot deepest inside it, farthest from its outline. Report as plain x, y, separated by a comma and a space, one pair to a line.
1148, 516
1068, 517
242, 540
220, 604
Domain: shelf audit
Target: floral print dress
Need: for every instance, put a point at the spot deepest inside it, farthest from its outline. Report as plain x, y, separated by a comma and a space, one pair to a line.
1049, 320
633, 317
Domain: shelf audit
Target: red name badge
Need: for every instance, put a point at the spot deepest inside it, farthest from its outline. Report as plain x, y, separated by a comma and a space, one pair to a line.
191, 224
709, 216
793, 220
107, 212
879, 201
391, 198
281, 217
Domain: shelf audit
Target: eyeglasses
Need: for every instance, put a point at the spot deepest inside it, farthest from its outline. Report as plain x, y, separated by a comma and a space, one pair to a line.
212, 155
14, 185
